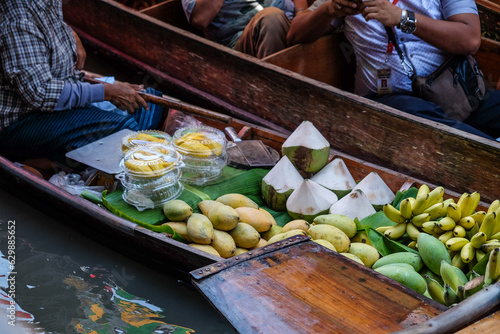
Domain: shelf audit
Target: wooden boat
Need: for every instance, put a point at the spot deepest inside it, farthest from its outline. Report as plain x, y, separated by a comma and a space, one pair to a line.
158, 41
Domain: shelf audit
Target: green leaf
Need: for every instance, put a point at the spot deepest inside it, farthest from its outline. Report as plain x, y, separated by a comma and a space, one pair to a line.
376, 220
90, 195
480, 267
412, 192
384, 245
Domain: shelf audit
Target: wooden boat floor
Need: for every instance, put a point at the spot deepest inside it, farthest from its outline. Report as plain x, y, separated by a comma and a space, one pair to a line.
487, 325
298, 286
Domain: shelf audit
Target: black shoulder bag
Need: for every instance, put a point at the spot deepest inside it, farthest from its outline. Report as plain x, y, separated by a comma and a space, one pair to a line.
458, 85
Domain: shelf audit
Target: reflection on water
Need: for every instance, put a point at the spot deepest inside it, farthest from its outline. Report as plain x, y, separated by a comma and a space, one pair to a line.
66, 283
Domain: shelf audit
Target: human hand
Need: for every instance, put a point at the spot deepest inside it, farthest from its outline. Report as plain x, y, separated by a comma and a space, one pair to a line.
345, 7
124, 96
383, 11
81, 54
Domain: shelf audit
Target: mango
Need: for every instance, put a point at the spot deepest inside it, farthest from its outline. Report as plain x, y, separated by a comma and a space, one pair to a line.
325, 243
181, 229
223, 243
404, 274
245, 235
401, 257
177, 210
346, 224
258, 219
353, 257
368, 254
296, 224
283, 236
237, 200
336, 236
207, 205
224, 217
200, 229
275, 229
432, 251
206, 248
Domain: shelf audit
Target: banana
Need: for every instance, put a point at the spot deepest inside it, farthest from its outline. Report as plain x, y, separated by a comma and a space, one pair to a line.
413, 245
382, 229
418, 220
456, 261
452, 275
393, 214
489, 246
476, 197
480, 253
420, 204
466, 205
467, 253
460, 293
456, 243
460, 201
453, 211
436, 211
495, 236
492, 272
412, 231
445, 236
405, 208
478, 239
429, 227
436, 290
395, 232
449, 296
478, 216
423, 190
488, 224
435, 196
494, 206
459, 231
467, 222
446, 223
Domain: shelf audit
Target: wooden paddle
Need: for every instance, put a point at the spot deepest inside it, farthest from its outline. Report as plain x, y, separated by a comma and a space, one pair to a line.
169, 102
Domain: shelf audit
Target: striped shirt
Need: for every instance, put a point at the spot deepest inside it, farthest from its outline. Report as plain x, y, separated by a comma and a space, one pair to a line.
37, 56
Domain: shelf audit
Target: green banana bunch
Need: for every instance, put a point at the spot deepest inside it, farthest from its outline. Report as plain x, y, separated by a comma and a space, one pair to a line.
435, 290
449, 295
452, 275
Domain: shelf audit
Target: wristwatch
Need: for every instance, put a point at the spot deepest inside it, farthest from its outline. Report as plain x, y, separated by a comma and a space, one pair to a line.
408, 23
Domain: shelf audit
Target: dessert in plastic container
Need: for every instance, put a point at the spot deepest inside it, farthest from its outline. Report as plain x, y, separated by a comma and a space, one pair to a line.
203, 151
151, 175
145, 137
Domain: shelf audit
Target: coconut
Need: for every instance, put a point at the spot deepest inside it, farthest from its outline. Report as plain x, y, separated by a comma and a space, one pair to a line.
377, 191
310, 200
336, 177
279, 183
353, 205
306, 148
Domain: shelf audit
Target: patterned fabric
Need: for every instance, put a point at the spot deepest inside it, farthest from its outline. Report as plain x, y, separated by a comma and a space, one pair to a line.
37, 54
53, 134
234, 16
369, 40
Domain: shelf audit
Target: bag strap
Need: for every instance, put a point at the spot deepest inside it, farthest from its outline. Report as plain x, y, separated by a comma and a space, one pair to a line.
407, 66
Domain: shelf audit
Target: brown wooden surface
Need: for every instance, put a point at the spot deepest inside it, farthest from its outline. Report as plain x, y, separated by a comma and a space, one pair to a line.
302, 287
355, 126
487, 325
329, 59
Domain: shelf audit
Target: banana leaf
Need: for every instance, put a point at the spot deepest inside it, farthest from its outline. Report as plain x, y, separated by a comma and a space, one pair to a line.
401, 195
384, 245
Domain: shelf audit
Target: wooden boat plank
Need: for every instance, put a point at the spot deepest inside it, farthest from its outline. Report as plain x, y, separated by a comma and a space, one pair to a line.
487, 325
356, 126
297, 286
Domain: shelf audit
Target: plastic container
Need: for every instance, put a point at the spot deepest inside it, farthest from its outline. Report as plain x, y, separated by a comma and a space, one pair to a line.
142, 138
151, 176
203, 151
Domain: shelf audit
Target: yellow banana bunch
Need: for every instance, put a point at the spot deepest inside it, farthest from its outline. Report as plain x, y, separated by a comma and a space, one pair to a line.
446, 223
478, 239
418, 220
393, 214
456, 243
467, 253
453, 211
494, 206
459, 231
412, 231
396, 231
488, 224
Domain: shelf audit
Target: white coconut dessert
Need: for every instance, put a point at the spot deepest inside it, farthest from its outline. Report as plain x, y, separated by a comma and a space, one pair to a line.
377, 191
353, 205
279, 183
336, 177
310, 200
306, 148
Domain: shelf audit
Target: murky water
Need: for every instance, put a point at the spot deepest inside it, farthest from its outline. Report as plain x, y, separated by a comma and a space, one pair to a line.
62, 282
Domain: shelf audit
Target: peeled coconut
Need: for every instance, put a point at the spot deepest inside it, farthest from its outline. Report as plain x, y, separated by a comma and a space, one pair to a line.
279, 183
377, 191
336, 177
309, 200
306, 148
353, 205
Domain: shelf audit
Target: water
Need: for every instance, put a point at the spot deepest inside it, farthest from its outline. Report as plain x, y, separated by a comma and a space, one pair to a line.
66, 283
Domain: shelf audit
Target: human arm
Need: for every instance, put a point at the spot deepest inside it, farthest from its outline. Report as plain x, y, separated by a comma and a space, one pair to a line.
204, 12
311, 25
459, 34
81, 54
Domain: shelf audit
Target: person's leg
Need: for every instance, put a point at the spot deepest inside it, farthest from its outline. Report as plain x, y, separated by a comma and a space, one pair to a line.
265, 34
487, 118
425, 109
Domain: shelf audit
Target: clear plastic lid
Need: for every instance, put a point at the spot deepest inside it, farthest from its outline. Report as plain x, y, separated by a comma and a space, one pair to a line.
201, 142
146, 137
151, 160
